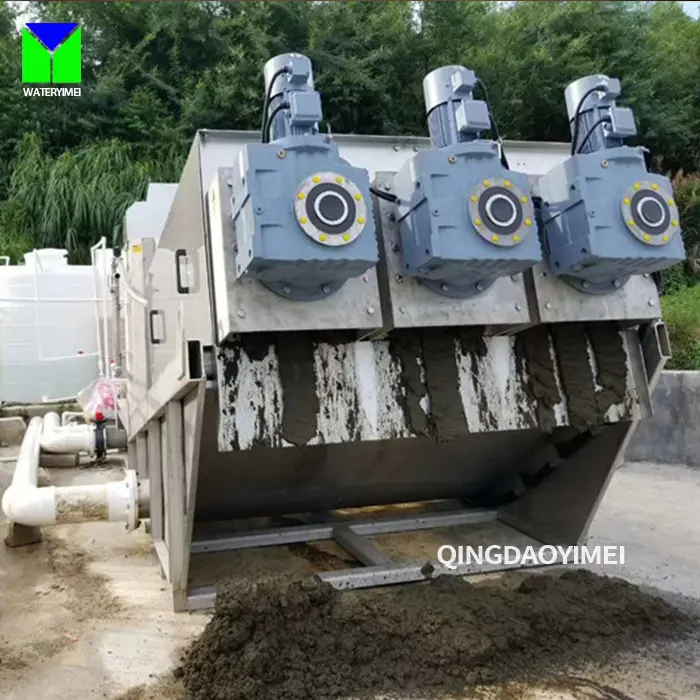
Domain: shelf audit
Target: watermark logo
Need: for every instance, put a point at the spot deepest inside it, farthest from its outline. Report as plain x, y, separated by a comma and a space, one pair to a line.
51, 54
458, 557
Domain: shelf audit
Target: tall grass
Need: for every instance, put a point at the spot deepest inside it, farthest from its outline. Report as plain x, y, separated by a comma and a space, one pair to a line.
72, 200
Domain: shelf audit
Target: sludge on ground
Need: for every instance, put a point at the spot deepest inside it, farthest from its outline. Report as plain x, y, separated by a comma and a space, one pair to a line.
296, 638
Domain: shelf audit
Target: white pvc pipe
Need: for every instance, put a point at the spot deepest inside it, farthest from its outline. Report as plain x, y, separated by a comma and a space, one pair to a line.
66, 439
27, 504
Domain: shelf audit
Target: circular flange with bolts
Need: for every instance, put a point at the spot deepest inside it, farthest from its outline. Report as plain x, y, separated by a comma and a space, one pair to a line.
501, 212
650, 214
330, 209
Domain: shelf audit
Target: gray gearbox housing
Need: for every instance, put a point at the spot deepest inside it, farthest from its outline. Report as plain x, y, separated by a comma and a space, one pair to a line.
302, 217
605, 217
464, 219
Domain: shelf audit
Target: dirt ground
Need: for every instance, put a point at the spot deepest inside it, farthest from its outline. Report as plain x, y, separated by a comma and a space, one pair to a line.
297, 638
86, 614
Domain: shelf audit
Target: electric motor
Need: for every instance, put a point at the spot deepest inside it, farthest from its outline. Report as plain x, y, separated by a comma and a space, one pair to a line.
605, 216
465, 219
301, 214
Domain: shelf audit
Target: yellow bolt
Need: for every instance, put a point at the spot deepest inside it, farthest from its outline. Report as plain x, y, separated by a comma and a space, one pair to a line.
361, 220
303, 220
301, 195
346, 236
322, 237
516, 238
494, 237
664, 238
486, 183
670, 202
523, 200
474, 198
477, 222
506, 183
630, 222
316, 178
647, 237
626, 200
674, 222
339, 179
528, 222
358, 196
654, 187
636, 185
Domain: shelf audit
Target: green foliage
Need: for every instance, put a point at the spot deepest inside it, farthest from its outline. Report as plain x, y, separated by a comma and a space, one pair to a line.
154, 72
682, 315
687, 195
72, 200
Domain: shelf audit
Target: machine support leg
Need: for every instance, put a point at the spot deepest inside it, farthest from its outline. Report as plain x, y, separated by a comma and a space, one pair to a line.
155, 476
175, 504
20, 535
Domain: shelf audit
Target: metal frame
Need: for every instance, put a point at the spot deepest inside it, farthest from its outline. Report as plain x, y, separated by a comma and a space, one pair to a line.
559, 510
377, 153
553, 300
171, 440
378, 569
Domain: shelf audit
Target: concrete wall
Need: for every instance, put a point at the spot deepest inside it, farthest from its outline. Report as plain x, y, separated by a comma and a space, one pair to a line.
672, 434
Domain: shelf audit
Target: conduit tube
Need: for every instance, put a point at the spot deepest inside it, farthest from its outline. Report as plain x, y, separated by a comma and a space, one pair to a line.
27, 504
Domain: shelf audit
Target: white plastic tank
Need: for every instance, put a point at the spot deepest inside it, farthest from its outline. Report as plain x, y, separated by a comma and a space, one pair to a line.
48, 327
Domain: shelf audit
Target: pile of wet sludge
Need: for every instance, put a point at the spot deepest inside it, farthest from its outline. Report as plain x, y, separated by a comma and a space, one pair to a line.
294, 638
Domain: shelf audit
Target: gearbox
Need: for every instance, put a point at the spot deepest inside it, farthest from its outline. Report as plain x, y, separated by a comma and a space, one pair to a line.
605, 216
301, 215
464, 218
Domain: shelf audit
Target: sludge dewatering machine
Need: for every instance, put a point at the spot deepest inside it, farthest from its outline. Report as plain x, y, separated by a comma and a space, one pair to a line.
340, 322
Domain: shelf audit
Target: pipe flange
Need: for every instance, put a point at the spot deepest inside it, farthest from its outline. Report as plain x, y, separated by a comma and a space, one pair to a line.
330, 209
650, 213
131, 483
100, 439
501, 212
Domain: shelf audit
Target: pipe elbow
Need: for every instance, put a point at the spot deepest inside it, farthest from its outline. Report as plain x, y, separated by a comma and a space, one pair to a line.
33, 507
68, 440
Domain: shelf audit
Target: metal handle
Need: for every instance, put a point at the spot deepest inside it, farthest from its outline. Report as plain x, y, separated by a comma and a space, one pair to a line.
151, 328
179, 255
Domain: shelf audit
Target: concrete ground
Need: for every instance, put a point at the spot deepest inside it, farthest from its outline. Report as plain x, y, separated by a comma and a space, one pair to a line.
86, 613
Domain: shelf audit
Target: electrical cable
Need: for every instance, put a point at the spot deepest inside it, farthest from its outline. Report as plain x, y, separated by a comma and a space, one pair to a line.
383, 195
494, 125
602, 120
268, 97
270, 121
577, 113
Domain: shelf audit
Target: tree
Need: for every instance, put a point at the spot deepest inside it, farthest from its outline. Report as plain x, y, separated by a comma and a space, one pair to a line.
155, 72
